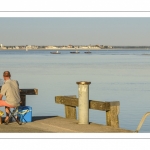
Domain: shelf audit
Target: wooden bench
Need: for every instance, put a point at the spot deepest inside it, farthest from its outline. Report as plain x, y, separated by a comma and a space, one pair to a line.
111, 108
24, 92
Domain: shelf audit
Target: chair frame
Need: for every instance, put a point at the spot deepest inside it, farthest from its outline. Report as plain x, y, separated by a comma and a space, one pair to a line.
13, 114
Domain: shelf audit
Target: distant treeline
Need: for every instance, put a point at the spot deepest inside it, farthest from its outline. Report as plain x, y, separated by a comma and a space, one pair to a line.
130, 46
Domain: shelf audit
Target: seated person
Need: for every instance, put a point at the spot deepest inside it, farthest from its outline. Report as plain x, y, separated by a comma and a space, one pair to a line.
10, 89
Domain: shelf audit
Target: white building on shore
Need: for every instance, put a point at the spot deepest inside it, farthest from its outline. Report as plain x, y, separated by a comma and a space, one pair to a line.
51, 47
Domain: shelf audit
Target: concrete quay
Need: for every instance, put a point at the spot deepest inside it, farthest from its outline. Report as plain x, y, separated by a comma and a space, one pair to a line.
56, 124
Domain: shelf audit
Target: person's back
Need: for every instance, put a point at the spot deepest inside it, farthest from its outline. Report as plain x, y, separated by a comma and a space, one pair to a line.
11, 90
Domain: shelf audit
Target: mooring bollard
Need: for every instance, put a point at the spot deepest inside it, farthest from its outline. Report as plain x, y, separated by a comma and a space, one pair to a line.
83, 103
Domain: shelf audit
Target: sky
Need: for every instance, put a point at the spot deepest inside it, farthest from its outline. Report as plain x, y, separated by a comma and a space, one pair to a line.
75, 30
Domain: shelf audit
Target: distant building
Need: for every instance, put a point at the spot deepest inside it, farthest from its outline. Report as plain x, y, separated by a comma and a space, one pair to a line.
51, 47
31, 47
16, 47
1, 45
84, 47
70, 46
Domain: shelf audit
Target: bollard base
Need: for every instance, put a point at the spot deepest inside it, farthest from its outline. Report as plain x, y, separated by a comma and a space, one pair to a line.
82, 123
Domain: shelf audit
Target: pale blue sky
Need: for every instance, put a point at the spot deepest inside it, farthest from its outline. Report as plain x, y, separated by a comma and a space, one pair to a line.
76, 31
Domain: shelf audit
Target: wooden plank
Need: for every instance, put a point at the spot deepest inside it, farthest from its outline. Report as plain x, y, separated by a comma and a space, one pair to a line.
69, 101
28, 91
73, 96
98, 105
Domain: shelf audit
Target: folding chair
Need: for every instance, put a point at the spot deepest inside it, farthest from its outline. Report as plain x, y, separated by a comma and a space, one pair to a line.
24, 114
13, 114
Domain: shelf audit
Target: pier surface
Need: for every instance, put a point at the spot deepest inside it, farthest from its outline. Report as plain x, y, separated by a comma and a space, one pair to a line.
56, 124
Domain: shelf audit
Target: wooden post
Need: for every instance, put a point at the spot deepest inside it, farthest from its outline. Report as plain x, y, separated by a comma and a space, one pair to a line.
23, 100
112, 118
24, 92
70, 111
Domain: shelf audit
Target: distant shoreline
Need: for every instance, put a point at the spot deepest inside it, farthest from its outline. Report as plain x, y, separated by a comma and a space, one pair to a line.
79, 49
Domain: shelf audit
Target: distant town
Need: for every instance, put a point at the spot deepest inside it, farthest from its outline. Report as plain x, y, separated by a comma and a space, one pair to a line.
49, 47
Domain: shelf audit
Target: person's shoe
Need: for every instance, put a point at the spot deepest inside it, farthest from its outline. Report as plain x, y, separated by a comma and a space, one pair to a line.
6, 121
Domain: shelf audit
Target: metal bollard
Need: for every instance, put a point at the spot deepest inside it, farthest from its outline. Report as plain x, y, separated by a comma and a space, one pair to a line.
83, 103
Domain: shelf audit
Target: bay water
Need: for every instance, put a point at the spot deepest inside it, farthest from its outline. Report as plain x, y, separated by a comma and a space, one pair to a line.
115, 75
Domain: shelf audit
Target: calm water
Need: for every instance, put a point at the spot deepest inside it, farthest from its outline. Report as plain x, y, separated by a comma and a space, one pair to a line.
115, 75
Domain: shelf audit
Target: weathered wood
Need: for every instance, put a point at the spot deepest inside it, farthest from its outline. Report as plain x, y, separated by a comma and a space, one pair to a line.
73, 96
28, 91
23, 100
99, 105
69, 101
111, 108
70, 112
112, 118
24, 92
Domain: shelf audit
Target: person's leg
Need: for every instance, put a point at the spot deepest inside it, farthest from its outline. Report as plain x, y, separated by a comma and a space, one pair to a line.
7, 108
3, 103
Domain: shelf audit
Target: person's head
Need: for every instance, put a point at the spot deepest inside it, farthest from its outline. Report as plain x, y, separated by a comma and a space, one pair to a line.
6, 75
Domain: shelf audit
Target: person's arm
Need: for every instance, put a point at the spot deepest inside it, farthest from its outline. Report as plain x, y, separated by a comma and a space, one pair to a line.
3, 92
1, 96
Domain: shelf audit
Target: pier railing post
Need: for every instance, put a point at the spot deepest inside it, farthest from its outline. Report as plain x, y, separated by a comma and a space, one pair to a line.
112, 118
70, 111
83, 103
23, 100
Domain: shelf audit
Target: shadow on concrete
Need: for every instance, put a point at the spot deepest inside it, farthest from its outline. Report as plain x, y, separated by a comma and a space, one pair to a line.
34, 118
